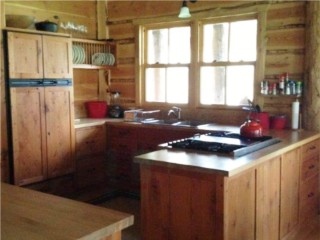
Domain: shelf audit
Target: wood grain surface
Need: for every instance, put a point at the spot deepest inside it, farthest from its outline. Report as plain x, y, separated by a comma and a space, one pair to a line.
28, 214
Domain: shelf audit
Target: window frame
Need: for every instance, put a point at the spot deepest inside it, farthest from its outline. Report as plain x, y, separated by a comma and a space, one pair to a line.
222, 19
144, 65
196, 54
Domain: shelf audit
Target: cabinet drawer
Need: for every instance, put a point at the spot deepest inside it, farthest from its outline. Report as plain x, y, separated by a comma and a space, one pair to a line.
310, 149
122, 132
123, 146
90, 141
309, 167
91, 171
309, 196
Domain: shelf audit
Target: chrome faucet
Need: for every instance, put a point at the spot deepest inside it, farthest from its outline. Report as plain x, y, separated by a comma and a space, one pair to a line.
176, 112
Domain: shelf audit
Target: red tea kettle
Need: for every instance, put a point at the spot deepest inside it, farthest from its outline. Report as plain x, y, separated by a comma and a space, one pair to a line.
251, 129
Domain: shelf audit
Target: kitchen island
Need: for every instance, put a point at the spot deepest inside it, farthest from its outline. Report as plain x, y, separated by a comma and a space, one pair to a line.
267, 194
28, 214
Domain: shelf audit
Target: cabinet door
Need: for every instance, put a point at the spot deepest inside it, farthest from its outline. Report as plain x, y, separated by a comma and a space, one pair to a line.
289, 194
60, 130
25, 55
90, 141
268, 200
155, 203
240, 206
29, 137
57, 57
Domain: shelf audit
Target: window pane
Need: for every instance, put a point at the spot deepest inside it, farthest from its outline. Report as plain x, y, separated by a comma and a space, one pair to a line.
157, 46
215, 42
177, 84
179, 45
212, 85
155, 84
239, 84
243, 40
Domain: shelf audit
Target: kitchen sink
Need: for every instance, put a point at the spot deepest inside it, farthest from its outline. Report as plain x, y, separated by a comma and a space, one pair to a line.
174, 122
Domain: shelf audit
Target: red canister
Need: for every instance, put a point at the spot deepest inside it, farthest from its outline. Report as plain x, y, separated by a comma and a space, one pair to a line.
96, 109
262, 118
278, 122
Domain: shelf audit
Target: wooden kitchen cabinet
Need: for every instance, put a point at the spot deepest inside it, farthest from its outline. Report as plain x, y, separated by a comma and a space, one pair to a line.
91, 159
35, 56
125, 142
122, 147
309, 181
28, 135
178, 204
268, 200
41, 125
289, 191
42, 133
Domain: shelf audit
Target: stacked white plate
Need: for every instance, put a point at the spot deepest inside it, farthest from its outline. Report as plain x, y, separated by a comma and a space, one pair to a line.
103, 59
79, 55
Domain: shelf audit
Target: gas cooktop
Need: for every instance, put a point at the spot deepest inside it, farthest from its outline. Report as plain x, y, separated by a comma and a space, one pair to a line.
224, 143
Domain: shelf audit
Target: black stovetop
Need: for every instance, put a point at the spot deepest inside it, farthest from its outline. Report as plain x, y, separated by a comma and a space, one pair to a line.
224, 143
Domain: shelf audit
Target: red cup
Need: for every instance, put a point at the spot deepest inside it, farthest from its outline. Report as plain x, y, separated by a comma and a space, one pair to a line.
262, 118
278, 122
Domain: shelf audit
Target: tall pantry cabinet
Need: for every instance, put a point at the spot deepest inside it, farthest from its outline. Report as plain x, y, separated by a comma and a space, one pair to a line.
41, 117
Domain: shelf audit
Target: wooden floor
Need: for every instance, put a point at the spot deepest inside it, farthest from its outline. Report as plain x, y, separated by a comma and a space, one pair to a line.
127, 205
132, 206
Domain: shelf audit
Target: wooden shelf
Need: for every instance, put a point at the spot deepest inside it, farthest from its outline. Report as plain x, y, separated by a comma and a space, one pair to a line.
90, 66
94, 46
281, 96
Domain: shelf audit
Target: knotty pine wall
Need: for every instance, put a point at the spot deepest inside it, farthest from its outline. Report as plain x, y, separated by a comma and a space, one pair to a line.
284, 38
79, 12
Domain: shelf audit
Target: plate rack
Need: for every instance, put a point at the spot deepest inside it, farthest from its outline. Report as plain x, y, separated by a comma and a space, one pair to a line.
90, 48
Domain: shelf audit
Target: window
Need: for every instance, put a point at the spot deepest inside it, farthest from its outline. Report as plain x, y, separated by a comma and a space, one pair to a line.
167, 66
222, 63
228, 62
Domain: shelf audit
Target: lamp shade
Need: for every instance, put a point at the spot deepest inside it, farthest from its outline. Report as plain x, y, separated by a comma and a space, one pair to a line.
184, 12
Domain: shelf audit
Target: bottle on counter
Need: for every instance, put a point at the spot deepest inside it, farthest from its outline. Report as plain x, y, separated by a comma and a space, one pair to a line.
281, 85
288, 89
264, 87
274, 89
292, 87
299, 88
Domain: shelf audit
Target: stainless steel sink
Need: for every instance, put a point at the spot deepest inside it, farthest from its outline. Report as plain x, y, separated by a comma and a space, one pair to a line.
174, 122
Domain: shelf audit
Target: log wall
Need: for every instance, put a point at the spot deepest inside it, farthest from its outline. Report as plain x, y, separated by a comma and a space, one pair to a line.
285, 33
77, 12
312, 90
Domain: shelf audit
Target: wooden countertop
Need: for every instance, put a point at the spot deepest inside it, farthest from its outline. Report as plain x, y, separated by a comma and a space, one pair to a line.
227, 165
28, 214
89, 122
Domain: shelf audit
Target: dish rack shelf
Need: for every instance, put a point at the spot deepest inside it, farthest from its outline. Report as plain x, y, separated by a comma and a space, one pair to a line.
92, 47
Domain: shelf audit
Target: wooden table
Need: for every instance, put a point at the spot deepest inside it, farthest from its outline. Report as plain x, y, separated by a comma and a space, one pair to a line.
28, 214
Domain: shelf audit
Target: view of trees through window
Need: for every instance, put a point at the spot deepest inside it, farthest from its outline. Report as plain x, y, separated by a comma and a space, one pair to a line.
226, 63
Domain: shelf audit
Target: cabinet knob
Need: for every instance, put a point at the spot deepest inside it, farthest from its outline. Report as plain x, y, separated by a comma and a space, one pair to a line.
310, 194
312, 166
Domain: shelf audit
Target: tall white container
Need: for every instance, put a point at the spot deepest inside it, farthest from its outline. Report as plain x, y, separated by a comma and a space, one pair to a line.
295, 114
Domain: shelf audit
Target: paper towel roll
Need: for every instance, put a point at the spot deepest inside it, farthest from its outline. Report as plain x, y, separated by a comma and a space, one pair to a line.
295, 115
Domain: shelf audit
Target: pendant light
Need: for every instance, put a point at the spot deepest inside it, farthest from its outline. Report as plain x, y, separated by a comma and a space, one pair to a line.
184, 11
